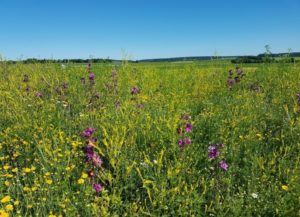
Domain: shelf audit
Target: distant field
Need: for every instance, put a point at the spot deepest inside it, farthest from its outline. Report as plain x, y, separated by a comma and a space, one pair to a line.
150, 139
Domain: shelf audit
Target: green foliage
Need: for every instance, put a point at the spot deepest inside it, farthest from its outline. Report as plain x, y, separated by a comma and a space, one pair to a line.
247, 59
144, 171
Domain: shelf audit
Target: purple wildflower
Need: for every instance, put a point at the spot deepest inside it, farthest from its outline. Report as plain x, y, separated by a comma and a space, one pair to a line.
213, 151
89, 150
230, 72
181, 143
135, 90
91, 76
187, 141
223, 165
188, 128
230, 82
97, 187
39, 95
88, 132
92, 141
97, 161
185, 116
92, 156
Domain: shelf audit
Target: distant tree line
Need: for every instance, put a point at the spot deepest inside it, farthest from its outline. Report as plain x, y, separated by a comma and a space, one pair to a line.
34, 60
176, 59
268, 58
247, 59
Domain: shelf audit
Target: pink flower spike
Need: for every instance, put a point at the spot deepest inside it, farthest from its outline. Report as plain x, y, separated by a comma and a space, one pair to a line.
223, 165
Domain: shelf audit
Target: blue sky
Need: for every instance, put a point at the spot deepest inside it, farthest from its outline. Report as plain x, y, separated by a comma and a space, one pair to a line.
138, 29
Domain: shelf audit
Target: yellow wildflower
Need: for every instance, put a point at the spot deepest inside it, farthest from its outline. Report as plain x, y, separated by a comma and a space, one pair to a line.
3, 213
9, 207
6, 167
16, 154
7, 183
80, 181
26, 170
33, 188
5, 199
84, 175
16, 203
284, 187
14, 170
26, 189
49, 181
62, 206
74, 144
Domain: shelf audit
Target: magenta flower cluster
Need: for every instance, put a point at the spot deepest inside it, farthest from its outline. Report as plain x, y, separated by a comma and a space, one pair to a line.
183, 130
92, 158
97, 187
87, 133
91, 76
233, 79
214, 152
135, 90
223, 165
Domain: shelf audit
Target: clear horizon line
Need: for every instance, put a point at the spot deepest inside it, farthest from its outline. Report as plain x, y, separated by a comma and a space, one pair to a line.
134, 59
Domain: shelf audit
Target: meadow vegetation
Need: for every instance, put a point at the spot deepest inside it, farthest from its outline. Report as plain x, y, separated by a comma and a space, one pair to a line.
150, 139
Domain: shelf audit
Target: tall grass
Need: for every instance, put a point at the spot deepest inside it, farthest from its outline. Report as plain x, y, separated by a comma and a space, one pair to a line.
44, 169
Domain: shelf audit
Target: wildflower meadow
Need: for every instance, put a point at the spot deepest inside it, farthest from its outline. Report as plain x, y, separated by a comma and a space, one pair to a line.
198, 138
